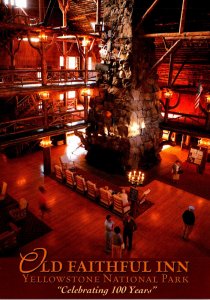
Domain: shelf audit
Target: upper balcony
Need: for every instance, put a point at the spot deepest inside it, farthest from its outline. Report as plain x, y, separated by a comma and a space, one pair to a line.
23, 81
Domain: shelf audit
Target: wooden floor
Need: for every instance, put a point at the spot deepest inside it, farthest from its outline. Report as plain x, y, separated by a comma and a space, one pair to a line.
78, 223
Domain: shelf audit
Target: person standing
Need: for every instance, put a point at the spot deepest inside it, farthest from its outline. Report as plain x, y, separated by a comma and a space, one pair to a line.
176, 171
129, 227
188, 218
117, 243
109, 226
43, 202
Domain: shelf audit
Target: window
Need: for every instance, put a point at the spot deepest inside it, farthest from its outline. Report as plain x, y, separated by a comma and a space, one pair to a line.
39, 75
18, 3
61, 97
90, 67
73, 62
71, 94
61, 61
40, 105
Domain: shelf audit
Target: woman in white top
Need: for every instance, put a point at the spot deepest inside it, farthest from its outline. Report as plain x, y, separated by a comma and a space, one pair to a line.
109, 226
176, 171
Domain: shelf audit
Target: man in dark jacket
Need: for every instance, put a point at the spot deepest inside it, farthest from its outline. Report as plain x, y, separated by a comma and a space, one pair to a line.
188, 218
129, 227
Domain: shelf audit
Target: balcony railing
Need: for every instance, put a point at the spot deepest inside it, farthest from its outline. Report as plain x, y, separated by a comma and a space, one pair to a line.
24, 77
37, 123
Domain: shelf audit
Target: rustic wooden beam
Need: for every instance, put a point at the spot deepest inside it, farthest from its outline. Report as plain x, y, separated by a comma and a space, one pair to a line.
149, 10
146, 14
9, 92
177, 74
17, 27
38, 135
176, 35
183, 16
41, 10
48, 12
172, 49
98, 11
170, 73
24, 29
165, 44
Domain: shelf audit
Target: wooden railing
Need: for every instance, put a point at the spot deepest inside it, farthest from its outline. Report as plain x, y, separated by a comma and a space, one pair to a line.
194, 125
21, 77
187, 118
36, 123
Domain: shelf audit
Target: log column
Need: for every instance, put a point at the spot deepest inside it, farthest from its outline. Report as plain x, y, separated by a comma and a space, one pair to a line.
46, 145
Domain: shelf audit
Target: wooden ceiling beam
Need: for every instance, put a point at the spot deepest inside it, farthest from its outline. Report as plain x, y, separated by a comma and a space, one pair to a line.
176, 35
9, 92
149, 10
183, 16
98, 11
177, 74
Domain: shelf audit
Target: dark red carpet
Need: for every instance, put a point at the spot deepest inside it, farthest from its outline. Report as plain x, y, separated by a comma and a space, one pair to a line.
30, 228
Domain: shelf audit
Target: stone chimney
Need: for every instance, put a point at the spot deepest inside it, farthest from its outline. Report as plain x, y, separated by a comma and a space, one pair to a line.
124, 132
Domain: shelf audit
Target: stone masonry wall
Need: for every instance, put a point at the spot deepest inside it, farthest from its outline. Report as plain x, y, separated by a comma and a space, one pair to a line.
125, 117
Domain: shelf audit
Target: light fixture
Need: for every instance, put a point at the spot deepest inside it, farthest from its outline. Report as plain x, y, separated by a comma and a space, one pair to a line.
85, 92
44, 95
136, 177
67, 37
207, 96
204, 142
167, 93
85, 42
32, 39
46, 142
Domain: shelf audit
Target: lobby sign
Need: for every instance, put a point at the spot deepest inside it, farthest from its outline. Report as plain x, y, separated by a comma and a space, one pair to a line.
36, 275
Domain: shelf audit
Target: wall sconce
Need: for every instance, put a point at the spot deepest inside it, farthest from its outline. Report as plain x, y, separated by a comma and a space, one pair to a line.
207, 97
44, 95
85, 93
85, 42
167, 93
204, 142
46, 142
